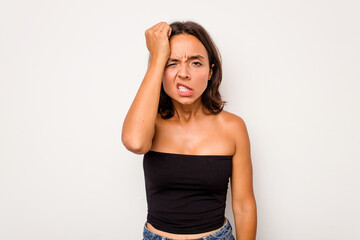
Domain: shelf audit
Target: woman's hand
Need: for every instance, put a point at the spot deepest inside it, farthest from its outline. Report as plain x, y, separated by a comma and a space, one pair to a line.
157, 40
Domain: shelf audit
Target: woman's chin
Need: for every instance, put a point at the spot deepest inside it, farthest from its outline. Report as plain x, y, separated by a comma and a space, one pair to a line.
185, 101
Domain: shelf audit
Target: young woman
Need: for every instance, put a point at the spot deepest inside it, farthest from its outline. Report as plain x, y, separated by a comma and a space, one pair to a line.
191, 146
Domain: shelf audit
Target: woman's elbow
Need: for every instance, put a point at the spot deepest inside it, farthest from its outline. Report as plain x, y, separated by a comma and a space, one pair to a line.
136, 147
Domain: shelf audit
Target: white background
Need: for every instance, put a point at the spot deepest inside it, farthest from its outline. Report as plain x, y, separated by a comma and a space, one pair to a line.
69, 71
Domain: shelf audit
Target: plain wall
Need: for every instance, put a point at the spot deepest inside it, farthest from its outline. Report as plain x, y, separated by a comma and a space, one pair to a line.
69, 71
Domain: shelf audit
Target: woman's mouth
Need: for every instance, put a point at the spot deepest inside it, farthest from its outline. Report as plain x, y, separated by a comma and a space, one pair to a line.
184, 91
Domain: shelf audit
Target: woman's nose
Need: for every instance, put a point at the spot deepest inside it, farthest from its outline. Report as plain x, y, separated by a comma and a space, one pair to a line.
183, 72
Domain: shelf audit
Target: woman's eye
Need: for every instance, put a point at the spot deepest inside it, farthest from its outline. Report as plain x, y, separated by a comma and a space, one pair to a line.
197, 63
171, 64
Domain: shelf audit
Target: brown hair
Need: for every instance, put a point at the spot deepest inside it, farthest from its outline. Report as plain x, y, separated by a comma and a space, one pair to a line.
211, 97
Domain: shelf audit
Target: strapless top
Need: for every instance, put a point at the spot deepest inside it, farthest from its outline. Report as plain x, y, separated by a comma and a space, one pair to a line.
186, 194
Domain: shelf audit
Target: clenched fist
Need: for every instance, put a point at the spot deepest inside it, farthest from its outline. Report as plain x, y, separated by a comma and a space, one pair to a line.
157, 40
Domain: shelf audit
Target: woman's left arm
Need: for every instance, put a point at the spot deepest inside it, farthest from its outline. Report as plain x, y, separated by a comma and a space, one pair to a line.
243, 200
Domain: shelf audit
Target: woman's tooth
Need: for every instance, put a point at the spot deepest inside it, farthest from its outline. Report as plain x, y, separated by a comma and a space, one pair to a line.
182, 88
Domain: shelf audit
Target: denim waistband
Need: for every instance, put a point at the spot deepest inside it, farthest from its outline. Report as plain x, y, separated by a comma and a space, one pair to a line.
224, 233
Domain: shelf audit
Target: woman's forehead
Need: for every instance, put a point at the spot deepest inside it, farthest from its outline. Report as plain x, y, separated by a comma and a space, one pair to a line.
185, 45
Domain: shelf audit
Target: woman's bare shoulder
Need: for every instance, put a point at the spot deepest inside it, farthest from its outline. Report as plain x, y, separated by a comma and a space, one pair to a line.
231, 119
236, 129
233, 124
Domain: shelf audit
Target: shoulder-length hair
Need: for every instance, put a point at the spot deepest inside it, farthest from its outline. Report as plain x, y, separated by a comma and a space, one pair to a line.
211, 98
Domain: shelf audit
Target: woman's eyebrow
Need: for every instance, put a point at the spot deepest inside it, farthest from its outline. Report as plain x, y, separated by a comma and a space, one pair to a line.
196, 57
189, 58
173, 60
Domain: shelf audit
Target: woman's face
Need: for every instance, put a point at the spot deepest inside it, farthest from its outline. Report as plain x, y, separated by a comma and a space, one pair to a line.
187, 72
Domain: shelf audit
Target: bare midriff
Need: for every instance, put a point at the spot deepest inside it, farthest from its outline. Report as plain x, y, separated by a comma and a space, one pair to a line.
179, 236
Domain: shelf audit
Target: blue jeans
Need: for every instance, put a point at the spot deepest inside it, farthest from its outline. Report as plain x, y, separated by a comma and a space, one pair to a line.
224, 233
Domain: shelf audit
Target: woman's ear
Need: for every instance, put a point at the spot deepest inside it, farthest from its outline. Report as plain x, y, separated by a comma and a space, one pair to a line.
211, 71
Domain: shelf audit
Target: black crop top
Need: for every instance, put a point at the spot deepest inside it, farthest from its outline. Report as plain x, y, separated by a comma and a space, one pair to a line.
186, 194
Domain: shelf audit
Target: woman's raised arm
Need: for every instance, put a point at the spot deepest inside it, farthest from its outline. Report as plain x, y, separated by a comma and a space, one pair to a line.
139, 124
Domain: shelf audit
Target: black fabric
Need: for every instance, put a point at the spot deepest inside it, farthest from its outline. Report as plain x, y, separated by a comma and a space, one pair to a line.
186, 194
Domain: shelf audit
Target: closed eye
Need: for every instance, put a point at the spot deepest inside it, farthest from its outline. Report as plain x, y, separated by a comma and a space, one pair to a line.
171, 64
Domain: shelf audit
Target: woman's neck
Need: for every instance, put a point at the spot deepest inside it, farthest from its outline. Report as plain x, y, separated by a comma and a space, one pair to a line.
187, 113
